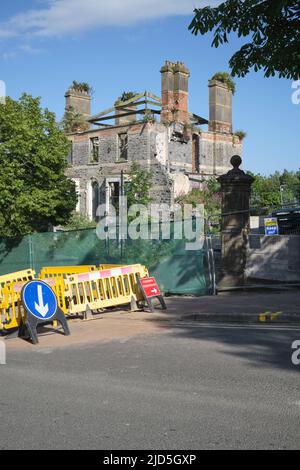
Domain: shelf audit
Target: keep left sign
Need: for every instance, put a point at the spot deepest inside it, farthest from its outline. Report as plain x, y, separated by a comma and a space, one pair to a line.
39, 299
40, 304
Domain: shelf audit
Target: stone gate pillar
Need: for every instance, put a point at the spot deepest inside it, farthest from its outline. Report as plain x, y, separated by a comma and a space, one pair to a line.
235, 189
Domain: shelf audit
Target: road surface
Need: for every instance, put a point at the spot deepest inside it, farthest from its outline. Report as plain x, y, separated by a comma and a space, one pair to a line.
189, 386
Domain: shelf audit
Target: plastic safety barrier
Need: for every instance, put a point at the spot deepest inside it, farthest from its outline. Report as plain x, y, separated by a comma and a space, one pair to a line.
10, 289
104, 288
109, 266
19, 276
60, 271
54, 276
93, 289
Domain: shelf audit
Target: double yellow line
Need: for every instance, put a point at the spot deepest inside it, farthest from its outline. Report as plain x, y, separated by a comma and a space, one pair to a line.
268, 316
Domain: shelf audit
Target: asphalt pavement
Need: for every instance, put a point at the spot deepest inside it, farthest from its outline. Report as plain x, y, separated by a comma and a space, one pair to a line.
184, 386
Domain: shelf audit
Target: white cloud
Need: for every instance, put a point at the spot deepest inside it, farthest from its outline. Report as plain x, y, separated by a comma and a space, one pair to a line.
68, 16
29, 49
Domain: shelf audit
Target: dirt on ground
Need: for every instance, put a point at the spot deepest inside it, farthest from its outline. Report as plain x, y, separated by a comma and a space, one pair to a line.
102, 328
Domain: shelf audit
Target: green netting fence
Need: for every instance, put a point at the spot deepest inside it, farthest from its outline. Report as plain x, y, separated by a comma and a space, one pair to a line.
178, 270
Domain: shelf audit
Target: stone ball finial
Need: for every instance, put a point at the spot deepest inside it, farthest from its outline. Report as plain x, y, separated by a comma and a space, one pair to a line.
236, 161
236, 175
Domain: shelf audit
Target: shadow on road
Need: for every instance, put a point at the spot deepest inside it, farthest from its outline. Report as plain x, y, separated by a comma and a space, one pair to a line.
258, 346
262, 345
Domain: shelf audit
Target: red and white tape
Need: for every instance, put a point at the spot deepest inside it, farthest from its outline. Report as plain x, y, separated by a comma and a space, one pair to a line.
104, 273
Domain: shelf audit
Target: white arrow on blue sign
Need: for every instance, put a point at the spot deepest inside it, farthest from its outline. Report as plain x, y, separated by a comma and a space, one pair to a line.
39, 299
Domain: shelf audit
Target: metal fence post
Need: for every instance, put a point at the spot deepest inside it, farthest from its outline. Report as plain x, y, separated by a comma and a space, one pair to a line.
31, 252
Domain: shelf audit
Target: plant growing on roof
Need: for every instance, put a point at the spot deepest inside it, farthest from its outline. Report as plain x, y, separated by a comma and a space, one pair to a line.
224, 77
82, 87
149, 118
126, 95
240, 134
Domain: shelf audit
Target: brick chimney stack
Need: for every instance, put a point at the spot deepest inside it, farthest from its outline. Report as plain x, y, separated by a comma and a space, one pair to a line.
174, 86
220, 107
80, 101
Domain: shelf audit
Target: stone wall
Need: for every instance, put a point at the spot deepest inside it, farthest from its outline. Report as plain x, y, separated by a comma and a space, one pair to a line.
139, 146
162, 185
80, 153
164, 149
179, 148
180, 155
108, 149
147, 145
274, 258
216, 150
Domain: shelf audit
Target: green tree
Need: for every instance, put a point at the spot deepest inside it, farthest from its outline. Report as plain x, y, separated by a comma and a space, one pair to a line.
74, 121
272, 27
209, 196
265, 191
276, 189
78, 222
34, 191
137, 188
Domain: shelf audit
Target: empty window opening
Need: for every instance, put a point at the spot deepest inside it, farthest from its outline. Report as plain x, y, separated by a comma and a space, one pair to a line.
94, 149
123, 146
114, 193
95, 199
195, 154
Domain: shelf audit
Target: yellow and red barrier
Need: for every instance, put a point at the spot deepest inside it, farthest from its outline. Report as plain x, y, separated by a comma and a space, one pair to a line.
10, 289
61, 271
54, 276
104, 288
85, 288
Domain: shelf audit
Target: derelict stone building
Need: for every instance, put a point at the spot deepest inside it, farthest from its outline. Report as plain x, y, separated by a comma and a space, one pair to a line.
160, 133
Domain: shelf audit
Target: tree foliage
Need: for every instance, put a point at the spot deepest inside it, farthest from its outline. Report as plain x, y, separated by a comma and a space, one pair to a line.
224, 77
276, 189
272, 27
74, 121
82, 87
138, 186
78, 222
270, 191
209, 196
34, 191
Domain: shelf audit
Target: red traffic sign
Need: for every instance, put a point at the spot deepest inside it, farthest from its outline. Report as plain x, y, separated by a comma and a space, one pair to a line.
150, 287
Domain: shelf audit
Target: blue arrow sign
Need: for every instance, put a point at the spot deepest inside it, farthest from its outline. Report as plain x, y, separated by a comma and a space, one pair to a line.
39, 299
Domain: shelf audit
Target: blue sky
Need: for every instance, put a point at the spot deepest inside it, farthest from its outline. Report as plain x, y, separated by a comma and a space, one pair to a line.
119, 45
